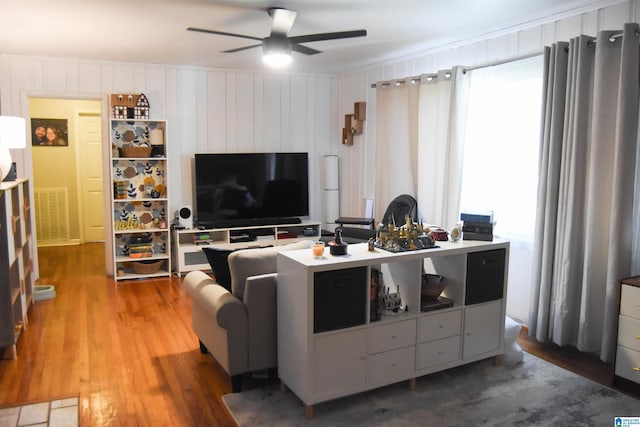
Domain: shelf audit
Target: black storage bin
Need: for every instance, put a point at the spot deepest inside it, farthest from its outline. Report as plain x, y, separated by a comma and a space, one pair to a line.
339, 299
485, 276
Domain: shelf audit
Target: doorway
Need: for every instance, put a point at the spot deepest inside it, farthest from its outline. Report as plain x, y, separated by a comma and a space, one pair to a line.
68, 177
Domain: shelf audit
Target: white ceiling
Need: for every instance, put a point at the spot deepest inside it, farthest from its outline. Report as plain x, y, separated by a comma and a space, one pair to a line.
154, 31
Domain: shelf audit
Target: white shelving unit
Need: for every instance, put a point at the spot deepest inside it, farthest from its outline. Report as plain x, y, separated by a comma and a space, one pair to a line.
187, 244
140, 203
336, 360
16, 262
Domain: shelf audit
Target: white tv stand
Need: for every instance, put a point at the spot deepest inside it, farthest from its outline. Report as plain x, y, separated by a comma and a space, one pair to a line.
187, 244
339, 361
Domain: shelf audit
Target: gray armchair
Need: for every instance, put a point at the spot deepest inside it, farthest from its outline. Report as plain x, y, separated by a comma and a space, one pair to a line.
238, 327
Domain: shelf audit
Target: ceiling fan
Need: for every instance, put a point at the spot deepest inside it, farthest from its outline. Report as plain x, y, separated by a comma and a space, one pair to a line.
278, 46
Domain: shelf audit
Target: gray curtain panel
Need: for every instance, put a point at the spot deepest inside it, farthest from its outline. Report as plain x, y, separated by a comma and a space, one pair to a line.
586, 195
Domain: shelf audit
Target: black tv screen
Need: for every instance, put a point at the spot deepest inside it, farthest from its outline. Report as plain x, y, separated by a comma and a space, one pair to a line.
235, 189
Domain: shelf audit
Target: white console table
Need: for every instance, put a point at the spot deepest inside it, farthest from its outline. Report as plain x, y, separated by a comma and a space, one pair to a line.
320, 364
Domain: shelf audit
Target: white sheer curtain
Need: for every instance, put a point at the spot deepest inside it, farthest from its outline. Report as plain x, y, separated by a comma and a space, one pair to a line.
586, 193
441, 141
396, 141
500, 169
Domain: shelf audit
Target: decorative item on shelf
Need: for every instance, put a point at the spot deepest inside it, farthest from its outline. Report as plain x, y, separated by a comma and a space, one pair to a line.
120, 189
130, 106
337, 246
147, 267
135, 151
477, 225
156, 140
128, 224
456, 232
410, 236
392, 302
354, 123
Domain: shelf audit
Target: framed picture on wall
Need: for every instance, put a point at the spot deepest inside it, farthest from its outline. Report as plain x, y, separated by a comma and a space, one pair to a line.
49, 133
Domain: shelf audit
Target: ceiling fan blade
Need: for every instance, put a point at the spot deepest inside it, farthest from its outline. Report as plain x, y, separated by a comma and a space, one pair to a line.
222, 33
328, 36
283, 20
240, 49
303, 49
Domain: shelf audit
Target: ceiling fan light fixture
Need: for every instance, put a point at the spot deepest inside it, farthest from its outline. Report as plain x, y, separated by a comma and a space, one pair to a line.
276, 53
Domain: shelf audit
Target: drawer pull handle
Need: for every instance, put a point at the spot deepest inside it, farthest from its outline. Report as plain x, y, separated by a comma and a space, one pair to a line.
637, 369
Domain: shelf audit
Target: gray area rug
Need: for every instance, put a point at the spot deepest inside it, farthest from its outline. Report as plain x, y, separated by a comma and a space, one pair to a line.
531, 393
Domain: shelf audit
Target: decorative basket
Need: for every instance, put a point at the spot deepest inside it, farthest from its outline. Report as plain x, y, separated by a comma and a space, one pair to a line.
138, 151
147, 267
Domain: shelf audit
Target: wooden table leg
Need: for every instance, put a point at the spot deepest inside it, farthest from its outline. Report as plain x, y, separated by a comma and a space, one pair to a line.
308, 411
497, 360
412, 384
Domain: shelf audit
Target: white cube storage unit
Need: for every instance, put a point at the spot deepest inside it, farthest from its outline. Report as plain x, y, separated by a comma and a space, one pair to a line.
351, 353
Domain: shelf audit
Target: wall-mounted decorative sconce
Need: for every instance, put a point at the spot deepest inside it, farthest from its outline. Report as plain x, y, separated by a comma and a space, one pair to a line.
354, 123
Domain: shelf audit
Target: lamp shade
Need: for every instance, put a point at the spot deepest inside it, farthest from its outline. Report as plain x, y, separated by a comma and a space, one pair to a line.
276, 51
13, 132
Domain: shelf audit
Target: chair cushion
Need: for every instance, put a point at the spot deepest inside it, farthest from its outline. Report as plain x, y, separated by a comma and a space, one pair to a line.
219, 265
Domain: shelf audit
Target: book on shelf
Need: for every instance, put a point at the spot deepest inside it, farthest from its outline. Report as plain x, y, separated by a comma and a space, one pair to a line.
480, 216
477, 227
468, 235
140, 254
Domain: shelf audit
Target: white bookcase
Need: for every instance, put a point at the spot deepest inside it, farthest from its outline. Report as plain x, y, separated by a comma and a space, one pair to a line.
139, 198
16, 262
187, 244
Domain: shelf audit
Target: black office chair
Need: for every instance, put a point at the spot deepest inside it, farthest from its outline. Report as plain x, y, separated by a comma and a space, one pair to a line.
394, 214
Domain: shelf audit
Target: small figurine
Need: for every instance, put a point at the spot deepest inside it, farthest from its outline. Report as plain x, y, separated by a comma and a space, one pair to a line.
337, 246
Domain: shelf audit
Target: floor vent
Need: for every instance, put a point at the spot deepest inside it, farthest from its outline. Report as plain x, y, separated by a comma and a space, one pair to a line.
52, 214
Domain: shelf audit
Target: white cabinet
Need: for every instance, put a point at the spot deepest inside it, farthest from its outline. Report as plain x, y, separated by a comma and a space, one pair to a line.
16, 262
481, 322
352, 353
139, 223
338, 363
187, 244
627, 364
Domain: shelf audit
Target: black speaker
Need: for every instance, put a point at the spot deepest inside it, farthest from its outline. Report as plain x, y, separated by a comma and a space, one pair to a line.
185, 216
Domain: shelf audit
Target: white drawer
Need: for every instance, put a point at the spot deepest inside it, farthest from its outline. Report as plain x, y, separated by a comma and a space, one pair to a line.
438, 352
391, 336
630, 301
437, 326
629, 332
628, 364
390, 364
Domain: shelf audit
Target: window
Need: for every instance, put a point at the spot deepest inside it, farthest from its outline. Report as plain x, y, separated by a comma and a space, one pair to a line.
500, 166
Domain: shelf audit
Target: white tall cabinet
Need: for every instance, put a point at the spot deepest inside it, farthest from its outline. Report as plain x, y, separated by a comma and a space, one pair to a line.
139, 199
319, 364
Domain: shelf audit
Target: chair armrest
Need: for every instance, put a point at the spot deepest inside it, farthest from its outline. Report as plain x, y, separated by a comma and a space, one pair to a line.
228, 311
260, 299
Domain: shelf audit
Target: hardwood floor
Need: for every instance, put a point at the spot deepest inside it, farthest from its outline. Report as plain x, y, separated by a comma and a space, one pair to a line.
126, 349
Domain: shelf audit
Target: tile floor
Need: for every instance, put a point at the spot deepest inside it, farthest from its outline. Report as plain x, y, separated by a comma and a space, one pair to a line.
57, 413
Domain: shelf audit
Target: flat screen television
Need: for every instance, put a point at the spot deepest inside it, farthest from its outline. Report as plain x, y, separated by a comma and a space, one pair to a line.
243, 189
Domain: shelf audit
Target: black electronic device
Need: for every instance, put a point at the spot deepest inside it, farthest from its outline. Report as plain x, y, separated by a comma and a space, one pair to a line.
245, 189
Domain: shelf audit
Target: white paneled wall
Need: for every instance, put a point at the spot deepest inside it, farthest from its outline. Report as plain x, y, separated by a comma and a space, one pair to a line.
208, 110
358, 160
